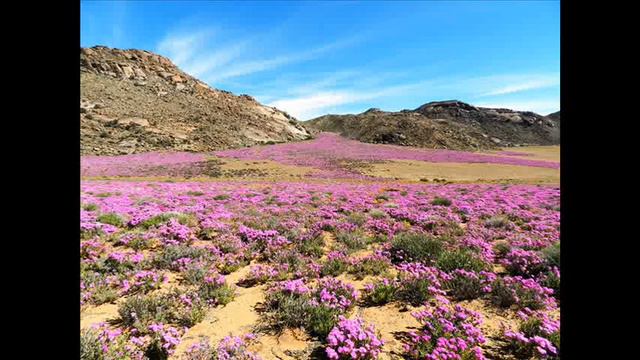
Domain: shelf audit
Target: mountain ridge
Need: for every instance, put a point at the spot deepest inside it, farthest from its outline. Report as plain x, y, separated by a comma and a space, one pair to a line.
135, 101
449, 124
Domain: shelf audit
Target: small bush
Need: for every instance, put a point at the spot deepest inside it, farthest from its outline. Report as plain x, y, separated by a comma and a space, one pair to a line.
90, 345
221, 197
498, 221
169, 254
377, 214
111, 219
313, 246
551, 279
214, 290
353, 241
439, 201
195, 193
157, 220
141, 310
287, 310
90, 207
460, 259
322, 319
370, 265
415, 247
333, 267
501, 248
552, 254
104, 294
357, 218
467, 285
380, 293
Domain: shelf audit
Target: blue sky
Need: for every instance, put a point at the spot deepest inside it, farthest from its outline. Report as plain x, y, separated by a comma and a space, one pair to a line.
313, 58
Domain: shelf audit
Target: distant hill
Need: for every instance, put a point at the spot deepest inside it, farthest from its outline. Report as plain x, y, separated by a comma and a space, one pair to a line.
444, 125
554, 116
136, 101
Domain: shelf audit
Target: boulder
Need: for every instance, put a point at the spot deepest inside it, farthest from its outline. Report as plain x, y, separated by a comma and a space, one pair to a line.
133, 120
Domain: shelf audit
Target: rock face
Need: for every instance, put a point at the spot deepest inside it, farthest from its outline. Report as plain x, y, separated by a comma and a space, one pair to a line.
444, 125
136, 101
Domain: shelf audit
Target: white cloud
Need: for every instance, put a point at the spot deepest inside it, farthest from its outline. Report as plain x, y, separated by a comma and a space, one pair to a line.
533, 83
181, 47
254, 66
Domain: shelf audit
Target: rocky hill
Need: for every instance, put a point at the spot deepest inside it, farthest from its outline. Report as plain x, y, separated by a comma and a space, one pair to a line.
136, 101
444, 125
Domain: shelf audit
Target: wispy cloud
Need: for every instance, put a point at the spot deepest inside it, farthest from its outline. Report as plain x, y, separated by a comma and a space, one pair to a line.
183, 46
254, 66
310, 106
534, 82
200, 53
306, 105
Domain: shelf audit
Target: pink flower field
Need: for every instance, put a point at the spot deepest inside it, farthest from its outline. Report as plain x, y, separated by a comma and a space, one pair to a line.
329, 154
323, 259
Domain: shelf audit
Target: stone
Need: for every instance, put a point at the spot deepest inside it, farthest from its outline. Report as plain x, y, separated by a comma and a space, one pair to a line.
128, 72
165, 75
496, 140
140, 83
176, 79
180, 87
139, 73
133, 120
162, 93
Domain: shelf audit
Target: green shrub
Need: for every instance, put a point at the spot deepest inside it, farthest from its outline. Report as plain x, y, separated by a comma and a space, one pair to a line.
460, 259
498, 221
357, 218
501, 248
216, 294
140, 311
369, 266
353, 241
333, 267
551, 254
286, 310
111, 219
221, 197
195, 193
381, 293
377, 214
104, 294
90, 346
415, 247
321, 320
170, 254
312, 247
439, 201
415, 291
90, 207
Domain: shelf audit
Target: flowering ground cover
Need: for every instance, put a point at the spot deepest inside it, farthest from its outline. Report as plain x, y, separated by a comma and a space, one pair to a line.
170, 258
329, 156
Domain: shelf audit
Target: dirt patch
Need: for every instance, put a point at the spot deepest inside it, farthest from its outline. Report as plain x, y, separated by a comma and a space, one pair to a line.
548, 153
392, 322
96, 314
236, 318
460, 172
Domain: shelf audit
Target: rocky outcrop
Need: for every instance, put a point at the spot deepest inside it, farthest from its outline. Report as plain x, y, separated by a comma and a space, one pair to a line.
444, 125
136, 101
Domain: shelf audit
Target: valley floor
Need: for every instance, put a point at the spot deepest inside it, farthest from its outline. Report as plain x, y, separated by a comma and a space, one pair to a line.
315, 214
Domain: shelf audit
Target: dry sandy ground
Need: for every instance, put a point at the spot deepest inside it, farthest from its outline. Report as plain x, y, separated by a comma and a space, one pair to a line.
411, 170
548, 153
